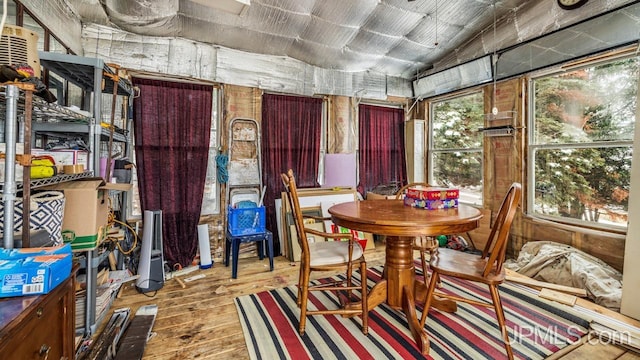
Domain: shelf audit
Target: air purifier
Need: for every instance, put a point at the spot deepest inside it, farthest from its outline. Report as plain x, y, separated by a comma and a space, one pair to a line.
151, 265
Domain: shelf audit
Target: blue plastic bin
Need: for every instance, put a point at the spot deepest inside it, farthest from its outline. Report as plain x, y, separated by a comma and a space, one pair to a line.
246, 221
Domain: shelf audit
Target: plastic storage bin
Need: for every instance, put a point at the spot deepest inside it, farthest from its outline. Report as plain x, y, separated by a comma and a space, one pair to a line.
247, 221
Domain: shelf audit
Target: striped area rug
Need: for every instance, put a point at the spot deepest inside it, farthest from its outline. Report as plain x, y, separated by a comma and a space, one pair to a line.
537, 327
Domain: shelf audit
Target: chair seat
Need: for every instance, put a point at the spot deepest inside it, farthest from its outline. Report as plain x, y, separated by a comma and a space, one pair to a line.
332, 252
464, 265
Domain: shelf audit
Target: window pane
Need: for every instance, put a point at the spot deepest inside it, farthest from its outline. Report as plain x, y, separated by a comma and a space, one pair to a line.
462, 170
456, 122
586, 105
56, 87
583, 126
75, 95
11, 13
456, 145
210, 203
56, 46
586, 184
31, 24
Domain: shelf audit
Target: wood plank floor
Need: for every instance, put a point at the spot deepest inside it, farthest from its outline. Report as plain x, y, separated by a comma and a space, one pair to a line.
200, 321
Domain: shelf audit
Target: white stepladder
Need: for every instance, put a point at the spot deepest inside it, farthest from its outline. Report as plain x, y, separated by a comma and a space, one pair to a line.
246, 222
245, 162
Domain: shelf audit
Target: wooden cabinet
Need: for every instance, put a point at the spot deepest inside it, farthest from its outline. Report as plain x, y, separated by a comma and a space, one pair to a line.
40, 327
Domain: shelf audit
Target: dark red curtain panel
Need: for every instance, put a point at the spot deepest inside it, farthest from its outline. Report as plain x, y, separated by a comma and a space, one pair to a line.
381, 153
291, 128
172, 123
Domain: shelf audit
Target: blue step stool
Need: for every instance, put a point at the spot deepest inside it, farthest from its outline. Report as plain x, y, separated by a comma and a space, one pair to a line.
233, 245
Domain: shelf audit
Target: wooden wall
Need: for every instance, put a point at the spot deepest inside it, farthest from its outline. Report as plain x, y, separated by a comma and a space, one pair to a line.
504, 163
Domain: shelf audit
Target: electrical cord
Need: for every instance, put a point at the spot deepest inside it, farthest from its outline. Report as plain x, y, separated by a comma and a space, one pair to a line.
155, 292
111, 220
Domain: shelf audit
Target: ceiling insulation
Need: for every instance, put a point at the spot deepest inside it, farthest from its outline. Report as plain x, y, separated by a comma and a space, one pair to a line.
392, 37
306, 46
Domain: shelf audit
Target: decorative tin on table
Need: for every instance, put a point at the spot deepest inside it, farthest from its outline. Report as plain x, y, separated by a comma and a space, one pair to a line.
432, 193
432, 198
431, 204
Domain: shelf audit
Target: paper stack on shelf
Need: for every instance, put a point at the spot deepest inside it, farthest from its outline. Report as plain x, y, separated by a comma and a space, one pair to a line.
81, 297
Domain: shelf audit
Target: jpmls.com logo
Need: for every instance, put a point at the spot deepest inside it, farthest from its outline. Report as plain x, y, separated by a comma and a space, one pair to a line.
571, 335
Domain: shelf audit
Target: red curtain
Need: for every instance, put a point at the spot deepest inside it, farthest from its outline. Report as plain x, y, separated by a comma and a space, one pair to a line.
172, 123
291, 127
381, 147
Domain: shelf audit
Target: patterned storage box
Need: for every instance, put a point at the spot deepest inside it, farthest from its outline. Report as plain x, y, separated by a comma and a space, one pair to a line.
46, 212
432, 193
431, 204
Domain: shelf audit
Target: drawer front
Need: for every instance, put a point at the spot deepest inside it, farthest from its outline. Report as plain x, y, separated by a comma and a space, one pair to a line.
41, 333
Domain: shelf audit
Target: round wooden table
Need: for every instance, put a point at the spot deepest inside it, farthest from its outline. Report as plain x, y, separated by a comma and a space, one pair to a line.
401, 224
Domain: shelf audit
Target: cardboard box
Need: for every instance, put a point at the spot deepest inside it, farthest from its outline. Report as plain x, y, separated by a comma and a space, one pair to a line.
33, 275
21, 253
432, 193
431, 204
86, 210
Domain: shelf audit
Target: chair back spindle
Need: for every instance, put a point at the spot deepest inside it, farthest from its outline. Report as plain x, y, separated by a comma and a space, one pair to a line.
496, 247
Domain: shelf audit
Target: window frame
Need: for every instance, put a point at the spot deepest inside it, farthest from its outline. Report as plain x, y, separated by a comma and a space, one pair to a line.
532, 147
432, 152
214, 151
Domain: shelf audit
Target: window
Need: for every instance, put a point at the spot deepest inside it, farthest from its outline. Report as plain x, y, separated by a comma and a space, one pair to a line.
33, 25
455, 145
211, 201
581, 143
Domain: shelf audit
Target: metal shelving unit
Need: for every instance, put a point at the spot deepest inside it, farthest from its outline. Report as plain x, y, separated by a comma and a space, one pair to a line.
36, 183
95, 78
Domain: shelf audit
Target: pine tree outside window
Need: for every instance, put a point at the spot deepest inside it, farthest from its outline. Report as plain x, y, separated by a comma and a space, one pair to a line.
581, 142
455, 145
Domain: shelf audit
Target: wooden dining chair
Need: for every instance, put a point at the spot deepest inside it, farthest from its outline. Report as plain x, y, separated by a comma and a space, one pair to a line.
331, 256
485, 268
423, 244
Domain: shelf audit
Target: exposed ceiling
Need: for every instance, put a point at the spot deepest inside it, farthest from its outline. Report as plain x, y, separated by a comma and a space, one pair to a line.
393, 37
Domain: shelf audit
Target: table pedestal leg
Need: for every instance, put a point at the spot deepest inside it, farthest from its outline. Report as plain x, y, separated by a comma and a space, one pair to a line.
400, 280
399, 269
419, 334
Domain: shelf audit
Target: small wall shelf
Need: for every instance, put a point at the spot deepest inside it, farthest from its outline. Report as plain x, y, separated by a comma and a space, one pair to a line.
502, 123
506, 130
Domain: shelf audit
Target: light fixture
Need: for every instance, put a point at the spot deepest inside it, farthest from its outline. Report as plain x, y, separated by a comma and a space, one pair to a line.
436, 42
494, 61
236, 7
